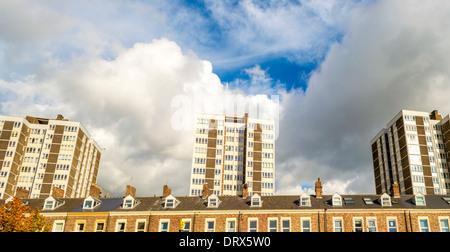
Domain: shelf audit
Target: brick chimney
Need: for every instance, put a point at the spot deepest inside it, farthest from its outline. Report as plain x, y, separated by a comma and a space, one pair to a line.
396, 190
166, 191
205, 192
57, 193
94, 191
22, 193
245, 191
130, 191
318, 186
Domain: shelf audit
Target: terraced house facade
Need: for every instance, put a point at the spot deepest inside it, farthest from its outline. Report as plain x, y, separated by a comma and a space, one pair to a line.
281, 213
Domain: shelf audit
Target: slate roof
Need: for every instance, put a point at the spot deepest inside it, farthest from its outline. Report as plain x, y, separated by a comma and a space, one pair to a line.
277, 202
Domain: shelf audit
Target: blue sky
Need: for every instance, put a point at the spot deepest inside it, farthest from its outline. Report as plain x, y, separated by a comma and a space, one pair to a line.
342, 70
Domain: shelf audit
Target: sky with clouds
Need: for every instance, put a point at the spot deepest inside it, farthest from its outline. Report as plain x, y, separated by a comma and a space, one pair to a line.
135, 72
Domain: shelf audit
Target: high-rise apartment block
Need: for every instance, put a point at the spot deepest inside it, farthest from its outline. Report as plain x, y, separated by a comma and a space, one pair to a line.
233, 155
41, 155
413, 151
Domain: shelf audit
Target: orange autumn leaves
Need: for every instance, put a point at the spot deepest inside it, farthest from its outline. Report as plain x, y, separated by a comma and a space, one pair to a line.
17, 217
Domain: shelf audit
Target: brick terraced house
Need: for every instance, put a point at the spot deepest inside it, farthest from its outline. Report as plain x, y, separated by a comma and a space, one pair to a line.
275, 213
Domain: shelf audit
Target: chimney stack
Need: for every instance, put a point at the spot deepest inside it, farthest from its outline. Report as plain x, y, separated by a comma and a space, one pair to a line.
57, 193
396, 190
318, 186
130, 191
94, 191
245, 191
205, 192
166, 191
22, 193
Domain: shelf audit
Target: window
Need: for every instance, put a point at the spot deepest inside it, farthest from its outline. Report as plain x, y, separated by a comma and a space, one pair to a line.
231, 225
392, 225
79, 227
357, 225
256, 201
305, 200
372, 225
90, 203
129, 202
164, 226
385, 200
423, 225
273, 225
253, 225
286, 225
337, 200
100, 227
140, 225
213, 201
171, 202
120, 225
210, 225
58, 226
444, 225
337, 225
306, 225
185, 225
419, 199
51, 203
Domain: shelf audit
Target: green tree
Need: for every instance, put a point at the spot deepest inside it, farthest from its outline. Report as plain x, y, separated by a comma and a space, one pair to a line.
16, 217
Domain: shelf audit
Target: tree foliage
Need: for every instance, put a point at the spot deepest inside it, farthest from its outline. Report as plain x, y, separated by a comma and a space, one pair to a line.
17, 217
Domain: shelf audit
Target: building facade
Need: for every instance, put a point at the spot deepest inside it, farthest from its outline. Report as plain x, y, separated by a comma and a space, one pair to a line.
233, 152
413, 151
276, 213
39, 155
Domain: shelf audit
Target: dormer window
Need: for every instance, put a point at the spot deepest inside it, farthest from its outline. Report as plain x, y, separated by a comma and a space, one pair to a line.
213, 201
256, 201
305, 200
51, 203
90, 203
171, 202
419, 199
385, 200
336, 200
129, 202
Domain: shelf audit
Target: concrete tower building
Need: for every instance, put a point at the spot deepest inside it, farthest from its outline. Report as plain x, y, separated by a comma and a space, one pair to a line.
413, 151
41, 156
233, 155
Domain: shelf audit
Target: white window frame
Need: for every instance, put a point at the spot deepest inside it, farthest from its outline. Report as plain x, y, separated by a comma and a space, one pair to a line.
283, 229
303, 229
395, 221
94, 203
383, 200
269, 229
183, 228
416, 201
307, 199
209, 220
355, 219
428, 228
174, 201
215, 199
336, 200
229, 220
120, 221
161, 221
369, 226
58, 222
140, 221
340, 219
441, 218
256, 199
127, 205
252, 220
